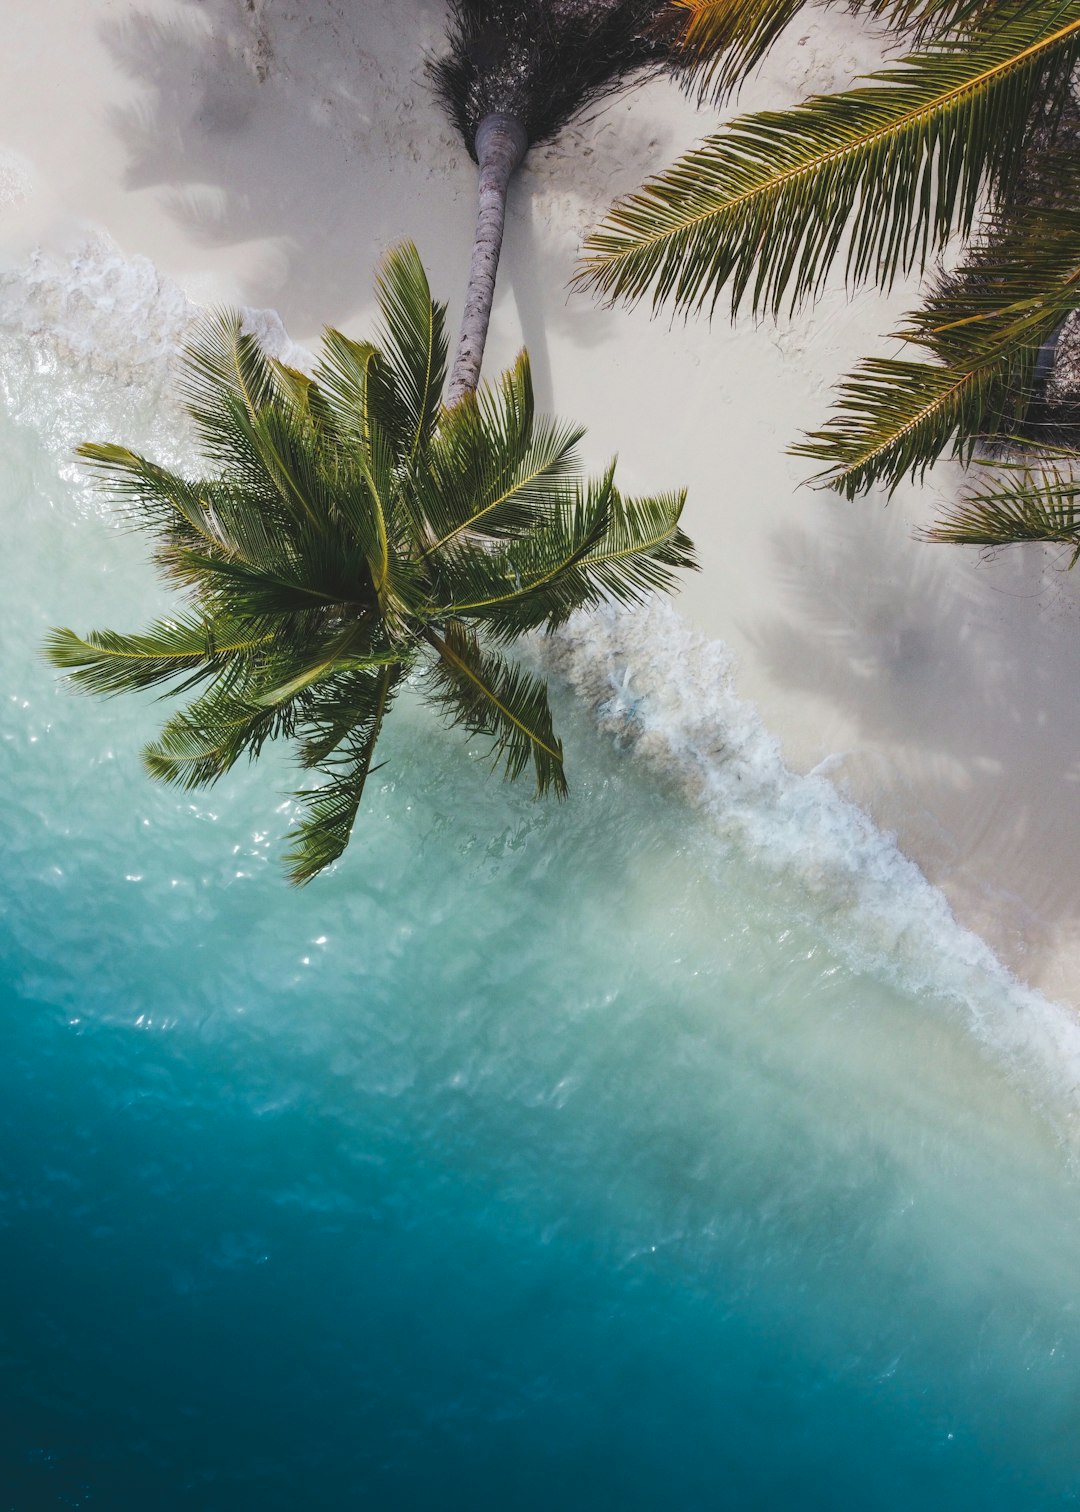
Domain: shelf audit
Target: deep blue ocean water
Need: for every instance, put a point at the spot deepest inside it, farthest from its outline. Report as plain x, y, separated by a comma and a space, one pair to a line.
540, 1156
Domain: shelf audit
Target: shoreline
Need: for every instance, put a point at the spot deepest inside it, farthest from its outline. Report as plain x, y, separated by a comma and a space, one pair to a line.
268, 161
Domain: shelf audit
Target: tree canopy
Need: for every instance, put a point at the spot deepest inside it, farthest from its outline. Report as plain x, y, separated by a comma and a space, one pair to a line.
351, 534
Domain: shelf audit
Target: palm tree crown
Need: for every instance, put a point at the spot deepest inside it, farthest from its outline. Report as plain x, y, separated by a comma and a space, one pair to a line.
974, 131
354, 531
543, 61
514, 73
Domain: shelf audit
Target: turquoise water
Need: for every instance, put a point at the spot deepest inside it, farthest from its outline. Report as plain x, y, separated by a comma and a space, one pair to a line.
610, 1155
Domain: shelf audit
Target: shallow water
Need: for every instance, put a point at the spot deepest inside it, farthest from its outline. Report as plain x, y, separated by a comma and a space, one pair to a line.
611, 1154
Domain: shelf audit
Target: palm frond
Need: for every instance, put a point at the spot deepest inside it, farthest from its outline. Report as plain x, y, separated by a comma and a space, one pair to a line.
222, 361
107, 662
508, 408
495, 469
414, 348
725, 40
239, 515
349, 652
343, 375
536, 579
330, 810
201, 743
888, 171
894, 418
235, 446
366, 495
1042, 505
201, 521
342, 703
985, 327
600, 545
491, 697
153, 498
925, 17
289, 462
301, 397
234, 587
640, 548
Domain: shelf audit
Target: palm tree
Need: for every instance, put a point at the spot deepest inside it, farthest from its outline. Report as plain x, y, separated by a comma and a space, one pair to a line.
353, 532
973, 132
516, 71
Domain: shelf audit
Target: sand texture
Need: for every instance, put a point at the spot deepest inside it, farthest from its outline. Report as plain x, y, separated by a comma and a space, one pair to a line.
266, 153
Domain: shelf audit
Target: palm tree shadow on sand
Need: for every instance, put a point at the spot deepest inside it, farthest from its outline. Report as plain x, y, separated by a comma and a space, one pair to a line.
303, 136
964, 679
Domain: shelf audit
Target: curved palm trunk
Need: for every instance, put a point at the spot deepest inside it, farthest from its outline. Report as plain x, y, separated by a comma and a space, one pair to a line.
501, 144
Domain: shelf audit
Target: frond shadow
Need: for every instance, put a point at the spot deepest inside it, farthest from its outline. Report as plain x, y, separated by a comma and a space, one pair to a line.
960, 673
312, 133
314, 140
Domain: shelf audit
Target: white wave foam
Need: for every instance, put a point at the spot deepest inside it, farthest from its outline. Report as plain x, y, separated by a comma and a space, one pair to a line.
16, 178
668, 694
87, 350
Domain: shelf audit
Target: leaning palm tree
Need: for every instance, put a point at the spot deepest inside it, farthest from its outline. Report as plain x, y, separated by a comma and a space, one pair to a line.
353, 533
950, 139
515, 72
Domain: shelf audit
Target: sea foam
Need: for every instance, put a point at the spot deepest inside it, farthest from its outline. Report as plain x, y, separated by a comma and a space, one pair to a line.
669, 695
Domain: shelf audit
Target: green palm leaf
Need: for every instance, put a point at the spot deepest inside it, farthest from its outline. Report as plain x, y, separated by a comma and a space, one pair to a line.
985, 327
330, 810
538, 579
205, 740
640, 547
348, 653
224, 363
268, 592
106, 662
300, 396
491, 697
888, 171
340, 704
726, 39
414, 346
179, 512
210, 517
894, 418
485, 494
364, 461
598, 546
280, 444
929, 15
1042, 505
495, 469
343, 374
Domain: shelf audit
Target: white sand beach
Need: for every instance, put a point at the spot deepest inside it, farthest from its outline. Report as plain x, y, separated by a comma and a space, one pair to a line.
266, 154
